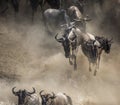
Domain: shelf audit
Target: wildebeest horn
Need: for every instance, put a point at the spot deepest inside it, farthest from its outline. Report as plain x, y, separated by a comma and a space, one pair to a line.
13, 90
60, 39
41, 92
33, 91
53, 96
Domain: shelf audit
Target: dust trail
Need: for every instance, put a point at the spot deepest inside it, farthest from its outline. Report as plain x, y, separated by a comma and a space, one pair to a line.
31, 58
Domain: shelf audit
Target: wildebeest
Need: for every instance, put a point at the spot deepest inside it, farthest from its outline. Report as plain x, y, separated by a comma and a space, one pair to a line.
25, 97
93, 52
75, 14
69, 49
55, 99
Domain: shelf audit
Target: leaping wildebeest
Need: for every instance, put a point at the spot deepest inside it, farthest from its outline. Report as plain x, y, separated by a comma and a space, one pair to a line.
25, 97
55, 99
93, 52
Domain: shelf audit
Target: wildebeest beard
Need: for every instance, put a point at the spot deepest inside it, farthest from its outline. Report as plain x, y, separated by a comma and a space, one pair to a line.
21, 97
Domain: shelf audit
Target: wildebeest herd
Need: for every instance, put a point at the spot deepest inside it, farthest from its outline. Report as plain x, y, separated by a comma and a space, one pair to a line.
73, 22
31, 98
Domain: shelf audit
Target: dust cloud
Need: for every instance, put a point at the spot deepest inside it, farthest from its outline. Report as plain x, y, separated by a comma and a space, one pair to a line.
31, 58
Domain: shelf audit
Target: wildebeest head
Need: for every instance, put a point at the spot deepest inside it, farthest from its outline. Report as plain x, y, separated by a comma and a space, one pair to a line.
105, 43
66, 45
22, 95
46, 98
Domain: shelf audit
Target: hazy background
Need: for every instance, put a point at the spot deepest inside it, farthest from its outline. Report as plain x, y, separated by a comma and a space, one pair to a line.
31, 58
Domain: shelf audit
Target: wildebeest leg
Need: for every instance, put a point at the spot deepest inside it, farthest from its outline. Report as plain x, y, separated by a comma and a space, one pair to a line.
90, 66
73, 56
99, 57
96, 65
71, 63
98, 62
75, 64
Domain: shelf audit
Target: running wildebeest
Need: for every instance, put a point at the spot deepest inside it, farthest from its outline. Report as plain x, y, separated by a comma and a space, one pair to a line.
91, 46
55, 99
26, 98
93, 52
